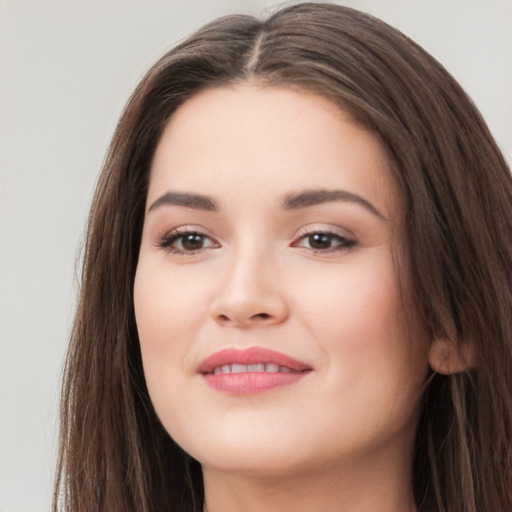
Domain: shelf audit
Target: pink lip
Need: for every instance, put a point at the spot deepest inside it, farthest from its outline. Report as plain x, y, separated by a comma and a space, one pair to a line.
250, 382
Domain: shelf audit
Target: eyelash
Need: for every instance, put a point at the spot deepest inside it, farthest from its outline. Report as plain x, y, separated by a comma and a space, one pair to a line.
167, 241
344, 243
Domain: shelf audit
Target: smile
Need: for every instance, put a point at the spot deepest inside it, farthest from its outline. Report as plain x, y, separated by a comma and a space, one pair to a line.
256, 368
250, 371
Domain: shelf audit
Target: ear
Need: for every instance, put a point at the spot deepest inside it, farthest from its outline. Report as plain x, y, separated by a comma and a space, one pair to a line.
447, 358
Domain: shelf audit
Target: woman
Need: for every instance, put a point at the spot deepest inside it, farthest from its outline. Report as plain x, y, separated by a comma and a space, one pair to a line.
297, 283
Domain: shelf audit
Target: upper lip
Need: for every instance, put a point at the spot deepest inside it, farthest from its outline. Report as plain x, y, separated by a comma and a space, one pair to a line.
252, 355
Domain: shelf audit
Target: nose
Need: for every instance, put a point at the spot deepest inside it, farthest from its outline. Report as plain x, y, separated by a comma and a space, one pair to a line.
250, 294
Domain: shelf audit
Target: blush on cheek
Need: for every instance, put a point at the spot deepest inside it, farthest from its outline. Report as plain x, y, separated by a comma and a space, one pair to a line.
153, 307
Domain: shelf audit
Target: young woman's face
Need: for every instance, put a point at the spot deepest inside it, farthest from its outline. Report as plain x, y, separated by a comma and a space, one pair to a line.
268, 306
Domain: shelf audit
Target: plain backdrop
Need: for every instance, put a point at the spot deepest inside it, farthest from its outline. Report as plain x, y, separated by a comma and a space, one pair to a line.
66, 69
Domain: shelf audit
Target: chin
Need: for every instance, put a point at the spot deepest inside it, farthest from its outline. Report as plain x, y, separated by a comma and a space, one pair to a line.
271, 454
253, 463
265, 451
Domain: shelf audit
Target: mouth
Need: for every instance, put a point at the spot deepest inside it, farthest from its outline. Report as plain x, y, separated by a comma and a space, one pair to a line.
254, 370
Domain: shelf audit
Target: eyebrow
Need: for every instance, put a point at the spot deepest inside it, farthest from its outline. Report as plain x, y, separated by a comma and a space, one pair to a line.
313, 197
195, 201
294, 201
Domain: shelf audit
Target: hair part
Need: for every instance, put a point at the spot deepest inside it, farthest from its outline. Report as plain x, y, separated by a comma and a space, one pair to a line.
457, 189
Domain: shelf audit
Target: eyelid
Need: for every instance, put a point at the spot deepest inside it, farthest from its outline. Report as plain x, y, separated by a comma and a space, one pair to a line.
348, 239
166, 240
327, 228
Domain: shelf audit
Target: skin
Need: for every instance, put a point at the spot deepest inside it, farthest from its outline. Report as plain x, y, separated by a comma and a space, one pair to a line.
341, 437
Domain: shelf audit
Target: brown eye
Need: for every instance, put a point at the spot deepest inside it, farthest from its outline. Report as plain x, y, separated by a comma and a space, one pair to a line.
192, 242
186, 242
324, 241
320, 240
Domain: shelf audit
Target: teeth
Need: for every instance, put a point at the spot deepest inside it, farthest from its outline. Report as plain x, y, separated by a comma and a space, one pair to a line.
254, 368
238, 368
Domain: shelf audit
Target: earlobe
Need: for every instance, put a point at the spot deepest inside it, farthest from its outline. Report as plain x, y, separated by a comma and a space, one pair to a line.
447, 358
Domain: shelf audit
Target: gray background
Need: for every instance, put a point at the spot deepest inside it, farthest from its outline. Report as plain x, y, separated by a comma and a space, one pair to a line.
66, 68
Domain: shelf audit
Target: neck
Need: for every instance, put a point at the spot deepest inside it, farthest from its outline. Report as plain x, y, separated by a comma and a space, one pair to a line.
357, 488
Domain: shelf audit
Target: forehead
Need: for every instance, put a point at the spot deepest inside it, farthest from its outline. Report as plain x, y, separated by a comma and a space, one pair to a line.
241, 139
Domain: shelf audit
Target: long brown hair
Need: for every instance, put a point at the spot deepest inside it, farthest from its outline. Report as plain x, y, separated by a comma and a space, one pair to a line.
457, 189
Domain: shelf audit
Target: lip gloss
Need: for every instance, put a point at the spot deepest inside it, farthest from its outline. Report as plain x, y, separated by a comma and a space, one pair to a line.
250, 371
250, 382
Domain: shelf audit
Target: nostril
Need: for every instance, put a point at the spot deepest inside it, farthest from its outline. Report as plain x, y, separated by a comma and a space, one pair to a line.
261, 315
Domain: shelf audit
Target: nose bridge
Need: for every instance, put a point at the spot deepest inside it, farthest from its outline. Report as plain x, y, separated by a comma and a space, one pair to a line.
249, 290
246, 275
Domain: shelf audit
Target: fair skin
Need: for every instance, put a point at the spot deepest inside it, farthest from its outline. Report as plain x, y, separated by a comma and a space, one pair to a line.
237, 253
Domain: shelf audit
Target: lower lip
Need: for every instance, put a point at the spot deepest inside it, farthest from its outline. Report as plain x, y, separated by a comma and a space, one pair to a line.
251, 382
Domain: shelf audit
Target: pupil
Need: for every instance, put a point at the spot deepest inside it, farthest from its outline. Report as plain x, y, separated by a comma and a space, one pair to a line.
192, 242
320, 241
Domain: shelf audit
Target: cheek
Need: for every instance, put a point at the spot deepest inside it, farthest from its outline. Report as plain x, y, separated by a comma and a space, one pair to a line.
358, 322
167, 315
166, 302
168, 311
354, 305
